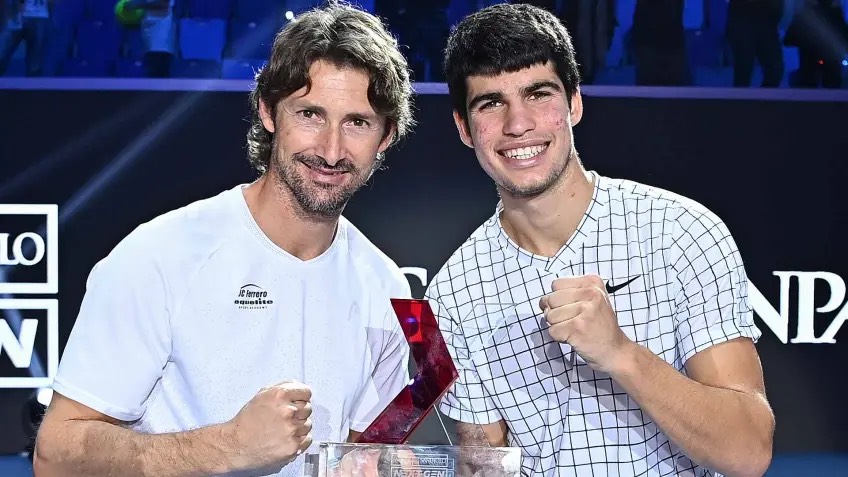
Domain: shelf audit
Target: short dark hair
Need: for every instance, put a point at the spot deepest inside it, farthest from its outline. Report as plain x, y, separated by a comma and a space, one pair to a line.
347, 37
506, 38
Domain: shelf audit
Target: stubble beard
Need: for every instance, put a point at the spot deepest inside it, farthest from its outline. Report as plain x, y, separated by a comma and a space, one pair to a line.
534, 190
314, 200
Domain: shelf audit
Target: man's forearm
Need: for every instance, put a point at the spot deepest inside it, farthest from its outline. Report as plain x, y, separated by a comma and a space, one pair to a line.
95, 448
723, 429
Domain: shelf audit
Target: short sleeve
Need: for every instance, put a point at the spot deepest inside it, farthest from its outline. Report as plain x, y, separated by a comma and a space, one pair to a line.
121, 339
467, 400
712, 299
391, 371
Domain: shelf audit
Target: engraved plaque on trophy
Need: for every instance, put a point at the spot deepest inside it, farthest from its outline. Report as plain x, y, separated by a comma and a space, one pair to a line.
381, 450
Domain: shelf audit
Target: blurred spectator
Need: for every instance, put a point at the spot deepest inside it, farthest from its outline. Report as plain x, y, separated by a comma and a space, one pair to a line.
658, 43
592, 25
819, 31
26, 21
159, 33
81, 36
753, 32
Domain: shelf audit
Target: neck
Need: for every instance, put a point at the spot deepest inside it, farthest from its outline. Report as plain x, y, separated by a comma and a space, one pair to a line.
285, 223
542, 224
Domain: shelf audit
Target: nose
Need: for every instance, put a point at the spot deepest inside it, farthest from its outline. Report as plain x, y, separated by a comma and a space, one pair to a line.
519, 120
332, 149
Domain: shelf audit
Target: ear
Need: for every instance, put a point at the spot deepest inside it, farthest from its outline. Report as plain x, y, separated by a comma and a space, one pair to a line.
463, 129
387, 138
266, 117
576, 108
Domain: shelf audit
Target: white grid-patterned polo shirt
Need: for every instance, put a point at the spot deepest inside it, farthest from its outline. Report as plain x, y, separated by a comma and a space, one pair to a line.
689, 291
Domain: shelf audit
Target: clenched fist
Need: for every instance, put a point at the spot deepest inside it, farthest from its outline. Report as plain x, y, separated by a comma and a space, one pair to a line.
579, 313
273, 428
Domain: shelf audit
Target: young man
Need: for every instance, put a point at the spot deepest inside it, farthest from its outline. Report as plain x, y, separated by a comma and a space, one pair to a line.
226, 336
600, 324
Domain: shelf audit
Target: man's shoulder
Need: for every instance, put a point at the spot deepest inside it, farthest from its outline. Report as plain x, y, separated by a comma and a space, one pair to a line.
178, 235
656, 204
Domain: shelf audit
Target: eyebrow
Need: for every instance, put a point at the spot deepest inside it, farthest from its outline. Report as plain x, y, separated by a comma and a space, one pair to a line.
323, 112
527, 90
541, 84
485, 97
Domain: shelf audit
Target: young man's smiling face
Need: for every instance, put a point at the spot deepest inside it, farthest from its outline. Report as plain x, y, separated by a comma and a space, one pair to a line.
519, 125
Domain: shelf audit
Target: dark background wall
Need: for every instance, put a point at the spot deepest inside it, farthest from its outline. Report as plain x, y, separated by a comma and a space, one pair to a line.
773, 170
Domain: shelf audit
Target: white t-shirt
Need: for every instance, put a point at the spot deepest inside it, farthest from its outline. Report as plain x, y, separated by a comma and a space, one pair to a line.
197, 310
679, 287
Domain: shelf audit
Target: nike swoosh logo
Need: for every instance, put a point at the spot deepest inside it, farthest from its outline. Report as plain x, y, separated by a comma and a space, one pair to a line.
614, 288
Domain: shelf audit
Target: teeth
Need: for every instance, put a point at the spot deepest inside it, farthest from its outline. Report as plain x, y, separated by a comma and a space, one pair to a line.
524, 152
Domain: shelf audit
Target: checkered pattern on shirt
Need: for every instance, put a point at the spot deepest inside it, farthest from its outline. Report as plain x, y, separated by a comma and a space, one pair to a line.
691, 293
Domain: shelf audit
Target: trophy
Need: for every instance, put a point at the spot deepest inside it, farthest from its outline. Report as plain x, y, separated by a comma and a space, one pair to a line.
381, 450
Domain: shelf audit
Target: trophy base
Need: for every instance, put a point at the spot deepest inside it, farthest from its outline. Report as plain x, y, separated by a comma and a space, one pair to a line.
385, 460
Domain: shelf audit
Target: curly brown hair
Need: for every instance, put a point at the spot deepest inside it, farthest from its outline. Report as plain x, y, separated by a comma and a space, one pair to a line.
347, 37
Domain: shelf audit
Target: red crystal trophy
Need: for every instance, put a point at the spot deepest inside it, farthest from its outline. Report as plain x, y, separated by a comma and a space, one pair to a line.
381, 450
436, 373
